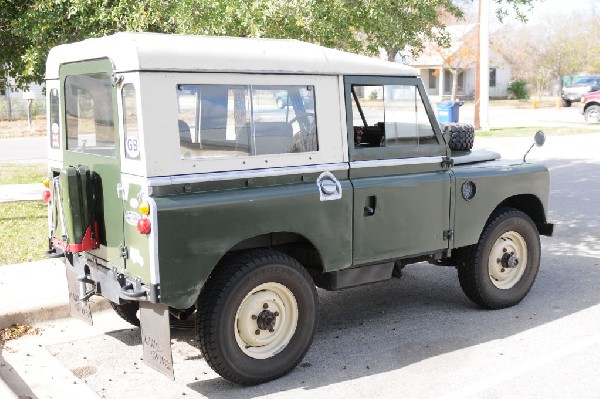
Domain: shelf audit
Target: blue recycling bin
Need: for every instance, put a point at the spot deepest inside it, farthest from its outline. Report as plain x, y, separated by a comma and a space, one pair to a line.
448, 111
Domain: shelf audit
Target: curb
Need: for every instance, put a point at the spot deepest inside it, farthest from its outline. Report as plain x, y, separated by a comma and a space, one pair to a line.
47, 312
35, 292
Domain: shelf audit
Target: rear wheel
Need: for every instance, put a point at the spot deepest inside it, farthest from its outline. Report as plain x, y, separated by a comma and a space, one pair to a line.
592, 113
566, 103
257, 317
500, 269
128, 312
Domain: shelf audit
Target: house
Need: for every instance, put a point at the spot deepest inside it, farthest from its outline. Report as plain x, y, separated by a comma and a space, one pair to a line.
436, 64
13, 101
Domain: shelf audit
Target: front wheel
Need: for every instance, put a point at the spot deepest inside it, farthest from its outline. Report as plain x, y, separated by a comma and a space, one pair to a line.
566, 103
500, 269
257, 318
592, 114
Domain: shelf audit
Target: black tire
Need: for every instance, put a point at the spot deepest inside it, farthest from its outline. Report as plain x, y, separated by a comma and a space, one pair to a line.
566, 103
228, 295
461, 136
488, 282
128, 312
592, 113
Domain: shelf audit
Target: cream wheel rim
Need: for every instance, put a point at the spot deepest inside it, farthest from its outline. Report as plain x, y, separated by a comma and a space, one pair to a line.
508, 260
266, 320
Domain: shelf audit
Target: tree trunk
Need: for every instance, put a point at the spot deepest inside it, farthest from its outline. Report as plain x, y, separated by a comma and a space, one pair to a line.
392, 53
454, 84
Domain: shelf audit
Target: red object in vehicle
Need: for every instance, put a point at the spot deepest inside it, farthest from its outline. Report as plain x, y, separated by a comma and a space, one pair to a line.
46, 196
143, 226
89, 241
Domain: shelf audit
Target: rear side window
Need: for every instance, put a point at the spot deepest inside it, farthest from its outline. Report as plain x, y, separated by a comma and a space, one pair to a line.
54, 119
89, 114
390, 116
130, 122
232, 120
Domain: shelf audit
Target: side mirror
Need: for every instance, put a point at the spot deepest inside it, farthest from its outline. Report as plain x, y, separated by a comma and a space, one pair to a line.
538, 140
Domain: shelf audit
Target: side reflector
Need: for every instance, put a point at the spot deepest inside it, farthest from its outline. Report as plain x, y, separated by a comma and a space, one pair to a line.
46, 196
144, 208
143, 226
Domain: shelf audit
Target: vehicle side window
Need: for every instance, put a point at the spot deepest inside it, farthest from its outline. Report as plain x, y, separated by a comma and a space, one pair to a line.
389, 116
54, 119
89, 111
130, 122
231, 121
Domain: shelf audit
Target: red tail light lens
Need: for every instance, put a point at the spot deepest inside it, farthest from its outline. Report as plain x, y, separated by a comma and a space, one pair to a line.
46, 196
143, 226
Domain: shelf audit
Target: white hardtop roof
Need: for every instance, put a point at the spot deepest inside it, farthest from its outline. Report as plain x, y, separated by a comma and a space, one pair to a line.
163, 52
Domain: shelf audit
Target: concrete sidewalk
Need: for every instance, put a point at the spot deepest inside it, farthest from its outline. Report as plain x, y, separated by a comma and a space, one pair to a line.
36, 291
21, 192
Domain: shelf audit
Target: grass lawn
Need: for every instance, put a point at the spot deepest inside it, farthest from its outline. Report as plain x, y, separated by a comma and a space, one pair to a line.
24, 231
21, 173
530, 131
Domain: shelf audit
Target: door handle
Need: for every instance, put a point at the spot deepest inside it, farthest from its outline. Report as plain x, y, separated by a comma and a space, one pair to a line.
370, 206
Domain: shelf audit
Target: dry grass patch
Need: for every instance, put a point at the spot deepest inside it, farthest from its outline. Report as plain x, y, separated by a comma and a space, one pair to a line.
24, 231
20, 128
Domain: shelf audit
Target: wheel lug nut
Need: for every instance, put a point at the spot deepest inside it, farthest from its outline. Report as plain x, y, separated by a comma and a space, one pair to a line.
498, 260
276, 313
502, 270
512, 253
257, 332
265, 305
254, 317
271, 330
504, 249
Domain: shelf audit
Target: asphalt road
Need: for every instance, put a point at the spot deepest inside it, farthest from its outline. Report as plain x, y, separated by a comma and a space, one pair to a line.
23, 150
416, 337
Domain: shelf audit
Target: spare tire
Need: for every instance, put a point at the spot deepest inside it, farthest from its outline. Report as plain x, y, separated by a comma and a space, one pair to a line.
460, 136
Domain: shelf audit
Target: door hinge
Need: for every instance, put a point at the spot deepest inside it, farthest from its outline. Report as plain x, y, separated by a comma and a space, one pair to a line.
448, 235
447, 162
124, 251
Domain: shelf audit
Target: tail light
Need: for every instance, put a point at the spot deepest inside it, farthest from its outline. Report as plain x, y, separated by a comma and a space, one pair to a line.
143, 226
46, 196
46, 182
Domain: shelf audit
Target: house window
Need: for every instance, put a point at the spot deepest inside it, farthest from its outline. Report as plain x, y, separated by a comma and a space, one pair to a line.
492, 77
433, 74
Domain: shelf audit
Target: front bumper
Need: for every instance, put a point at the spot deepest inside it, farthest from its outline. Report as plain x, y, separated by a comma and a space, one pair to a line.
572, 96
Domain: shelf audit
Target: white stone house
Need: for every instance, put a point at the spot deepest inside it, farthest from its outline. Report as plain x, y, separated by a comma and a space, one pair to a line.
434, 65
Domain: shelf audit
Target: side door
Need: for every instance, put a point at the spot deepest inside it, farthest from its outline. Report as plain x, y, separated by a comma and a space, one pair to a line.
398, 170
91, 139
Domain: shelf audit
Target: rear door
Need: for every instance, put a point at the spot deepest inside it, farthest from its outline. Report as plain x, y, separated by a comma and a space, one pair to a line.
401, 182
91, 140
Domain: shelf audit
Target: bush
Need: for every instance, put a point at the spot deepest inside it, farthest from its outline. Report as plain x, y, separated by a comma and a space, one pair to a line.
518, 89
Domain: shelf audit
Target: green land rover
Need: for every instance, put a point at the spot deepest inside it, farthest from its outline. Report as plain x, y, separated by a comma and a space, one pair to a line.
181, 186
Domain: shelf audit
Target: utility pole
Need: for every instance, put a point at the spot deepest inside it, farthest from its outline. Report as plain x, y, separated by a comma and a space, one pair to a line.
482, 69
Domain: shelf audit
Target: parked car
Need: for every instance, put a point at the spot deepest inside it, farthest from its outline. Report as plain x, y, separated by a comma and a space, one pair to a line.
573, 92
283, 98
197, 201
590, 106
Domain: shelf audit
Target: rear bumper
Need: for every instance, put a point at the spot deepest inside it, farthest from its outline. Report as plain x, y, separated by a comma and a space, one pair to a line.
109, 283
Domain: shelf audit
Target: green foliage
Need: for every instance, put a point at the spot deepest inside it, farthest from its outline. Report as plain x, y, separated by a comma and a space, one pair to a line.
518, 88
29, 29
